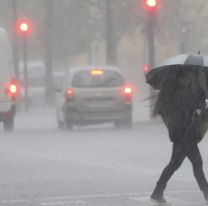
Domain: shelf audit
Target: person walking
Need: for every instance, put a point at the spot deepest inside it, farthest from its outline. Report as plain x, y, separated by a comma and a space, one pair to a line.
181, 104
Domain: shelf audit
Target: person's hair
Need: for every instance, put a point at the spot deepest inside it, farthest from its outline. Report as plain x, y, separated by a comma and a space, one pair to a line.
171, 84
164, 97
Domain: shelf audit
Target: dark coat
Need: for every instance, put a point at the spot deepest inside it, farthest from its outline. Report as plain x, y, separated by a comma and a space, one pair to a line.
177, 106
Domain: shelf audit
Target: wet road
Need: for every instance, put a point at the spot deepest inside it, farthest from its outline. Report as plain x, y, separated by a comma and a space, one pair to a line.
96, 166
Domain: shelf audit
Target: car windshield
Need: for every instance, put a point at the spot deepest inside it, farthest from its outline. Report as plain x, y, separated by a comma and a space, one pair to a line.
106, 79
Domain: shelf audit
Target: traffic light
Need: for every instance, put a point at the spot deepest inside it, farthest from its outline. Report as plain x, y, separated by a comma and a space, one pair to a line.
151, 5
24, 27
146, 68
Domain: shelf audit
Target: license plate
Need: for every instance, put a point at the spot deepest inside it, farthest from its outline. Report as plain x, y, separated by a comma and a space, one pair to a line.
100, 102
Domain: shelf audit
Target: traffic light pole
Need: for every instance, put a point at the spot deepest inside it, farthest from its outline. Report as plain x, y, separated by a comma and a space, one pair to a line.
24, 28
151, 41
26, 97
151, 7
48, 44
151, 53
15, 39
110, 41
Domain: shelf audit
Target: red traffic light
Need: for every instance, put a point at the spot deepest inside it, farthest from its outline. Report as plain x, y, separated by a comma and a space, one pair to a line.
146, 68
151, 5
24, 27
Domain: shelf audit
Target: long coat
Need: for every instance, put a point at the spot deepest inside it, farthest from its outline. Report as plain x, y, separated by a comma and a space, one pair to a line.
177, 105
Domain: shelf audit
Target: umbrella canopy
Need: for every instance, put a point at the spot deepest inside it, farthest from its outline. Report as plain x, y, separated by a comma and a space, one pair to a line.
173, 68
183, 62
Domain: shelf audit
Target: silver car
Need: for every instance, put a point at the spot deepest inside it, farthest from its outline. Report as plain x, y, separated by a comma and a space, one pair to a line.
93, 95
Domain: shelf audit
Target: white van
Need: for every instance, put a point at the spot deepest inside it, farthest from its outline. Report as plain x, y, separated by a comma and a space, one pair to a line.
35, 82
9, 89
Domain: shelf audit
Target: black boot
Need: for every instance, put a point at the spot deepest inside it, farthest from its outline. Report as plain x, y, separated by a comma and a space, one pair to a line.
157, 195
206, 196
158, 199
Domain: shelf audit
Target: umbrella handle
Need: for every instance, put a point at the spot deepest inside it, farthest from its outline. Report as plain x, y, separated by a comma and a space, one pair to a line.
150, 97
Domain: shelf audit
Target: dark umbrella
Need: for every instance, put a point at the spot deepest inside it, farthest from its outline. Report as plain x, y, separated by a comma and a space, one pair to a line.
184, 62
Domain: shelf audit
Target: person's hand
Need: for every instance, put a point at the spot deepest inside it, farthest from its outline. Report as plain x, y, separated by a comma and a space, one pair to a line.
206, 103
198, 111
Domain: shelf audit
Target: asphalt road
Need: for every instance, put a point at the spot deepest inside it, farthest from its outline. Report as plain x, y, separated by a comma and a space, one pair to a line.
94, 166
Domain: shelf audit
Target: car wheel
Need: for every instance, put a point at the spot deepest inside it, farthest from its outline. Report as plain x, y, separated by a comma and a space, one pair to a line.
8, 124
128, 123
60, 124
123, 123
69, 125
68, 121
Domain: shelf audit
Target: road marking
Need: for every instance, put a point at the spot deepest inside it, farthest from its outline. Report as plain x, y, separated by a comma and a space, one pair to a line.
80, 199
146, 199
62, 203
94, 163
83, 161
175, 200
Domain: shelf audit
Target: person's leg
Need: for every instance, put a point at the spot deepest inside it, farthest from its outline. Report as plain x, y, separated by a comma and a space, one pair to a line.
194, 155
177, 158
